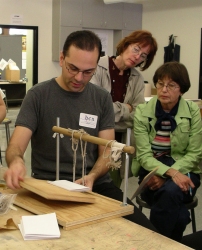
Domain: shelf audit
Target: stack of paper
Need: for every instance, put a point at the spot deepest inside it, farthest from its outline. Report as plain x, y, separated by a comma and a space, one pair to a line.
68, 185
38, 227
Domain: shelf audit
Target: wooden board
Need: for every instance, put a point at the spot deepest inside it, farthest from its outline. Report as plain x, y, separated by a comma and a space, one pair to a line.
72, 214
117, 233
51, 192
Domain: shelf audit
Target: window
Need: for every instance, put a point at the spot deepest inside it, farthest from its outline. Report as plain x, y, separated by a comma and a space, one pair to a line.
17, 32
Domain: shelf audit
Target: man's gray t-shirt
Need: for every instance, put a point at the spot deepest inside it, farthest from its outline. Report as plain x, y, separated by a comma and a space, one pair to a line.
40, 108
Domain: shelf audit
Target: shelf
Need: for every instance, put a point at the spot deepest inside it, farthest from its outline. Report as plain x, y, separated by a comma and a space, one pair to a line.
15, 91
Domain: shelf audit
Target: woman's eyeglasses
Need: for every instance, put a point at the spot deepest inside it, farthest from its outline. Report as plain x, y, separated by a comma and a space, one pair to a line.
137, 51
169, 86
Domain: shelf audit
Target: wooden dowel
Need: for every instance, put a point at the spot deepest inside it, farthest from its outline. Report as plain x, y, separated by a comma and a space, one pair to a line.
92, 139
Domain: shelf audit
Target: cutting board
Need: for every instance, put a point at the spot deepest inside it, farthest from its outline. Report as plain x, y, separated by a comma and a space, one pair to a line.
71, 214
51, 192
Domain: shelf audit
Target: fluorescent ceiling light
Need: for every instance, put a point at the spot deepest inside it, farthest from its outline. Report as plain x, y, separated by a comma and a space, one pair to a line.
112, 1
123, 1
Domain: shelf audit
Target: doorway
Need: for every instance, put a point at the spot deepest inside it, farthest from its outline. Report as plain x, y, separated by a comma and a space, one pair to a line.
22, 49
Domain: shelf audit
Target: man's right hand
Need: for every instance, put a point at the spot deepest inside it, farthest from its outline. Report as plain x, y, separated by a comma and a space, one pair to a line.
14, 156
14, 175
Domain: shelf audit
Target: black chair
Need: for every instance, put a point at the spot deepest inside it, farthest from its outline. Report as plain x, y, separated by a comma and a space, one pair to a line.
193, 240
190, 206
7, 122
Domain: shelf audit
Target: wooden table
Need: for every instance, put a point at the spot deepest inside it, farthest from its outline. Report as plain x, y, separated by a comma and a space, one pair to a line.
117, 233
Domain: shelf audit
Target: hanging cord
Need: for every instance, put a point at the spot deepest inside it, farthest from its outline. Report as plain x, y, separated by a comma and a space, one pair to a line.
75, 143
114, 155
83, 154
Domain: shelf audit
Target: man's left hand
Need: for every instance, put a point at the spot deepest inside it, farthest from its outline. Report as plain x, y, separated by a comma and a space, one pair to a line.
87, 181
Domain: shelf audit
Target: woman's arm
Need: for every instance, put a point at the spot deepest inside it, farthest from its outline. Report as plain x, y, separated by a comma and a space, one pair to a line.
2, 109
185, 164
193, 153
144, 154
124, 112
124, 115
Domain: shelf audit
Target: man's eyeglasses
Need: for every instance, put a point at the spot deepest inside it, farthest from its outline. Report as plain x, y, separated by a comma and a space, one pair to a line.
74, 71
169, 86
137, 51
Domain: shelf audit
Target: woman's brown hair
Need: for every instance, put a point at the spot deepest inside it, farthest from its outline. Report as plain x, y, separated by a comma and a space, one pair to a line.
144, 38
175, 71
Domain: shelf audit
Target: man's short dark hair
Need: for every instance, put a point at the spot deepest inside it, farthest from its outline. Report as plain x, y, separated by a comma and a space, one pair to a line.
84, 40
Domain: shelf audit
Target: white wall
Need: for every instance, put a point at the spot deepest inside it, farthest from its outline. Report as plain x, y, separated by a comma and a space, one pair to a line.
184, 20
35, 13
39, 13
161, 17
29, 59
107, 37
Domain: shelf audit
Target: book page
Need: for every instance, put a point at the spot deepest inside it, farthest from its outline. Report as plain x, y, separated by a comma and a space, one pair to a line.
144, 181
43, 226
68, 185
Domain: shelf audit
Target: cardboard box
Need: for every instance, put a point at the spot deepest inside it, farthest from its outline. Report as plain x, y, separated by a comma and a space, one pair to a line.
153, 91
12, 74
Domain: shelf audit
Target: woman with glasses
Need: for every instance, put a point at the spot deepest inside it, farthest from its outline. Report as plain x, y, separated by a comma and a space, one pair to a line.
168, 135
119, 76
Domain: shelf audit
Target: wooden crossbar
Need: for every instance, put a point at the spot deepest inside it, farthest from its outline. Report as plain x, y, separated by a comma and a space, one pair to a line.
93, 139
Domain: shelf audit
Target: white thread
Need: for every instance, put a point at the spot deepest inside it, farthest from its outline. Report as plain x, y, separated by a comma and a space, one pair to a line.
75, 143
115, 154
61, 135
83, 154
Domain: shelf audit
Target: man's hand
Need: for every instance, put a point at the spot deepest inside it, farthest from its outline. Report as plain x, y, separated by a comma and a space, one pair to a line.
14, 175
14, 156
100, 167
155, 182
87, 181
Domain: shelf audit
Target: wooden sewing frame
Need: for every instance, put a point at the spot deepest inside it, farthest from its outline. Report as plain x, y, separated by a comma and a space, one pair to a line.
72, 209
100, 141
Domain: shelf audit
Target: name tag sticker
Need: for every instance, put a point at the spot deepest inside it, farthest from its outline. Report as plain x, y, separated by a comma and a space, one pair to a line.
87, 120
